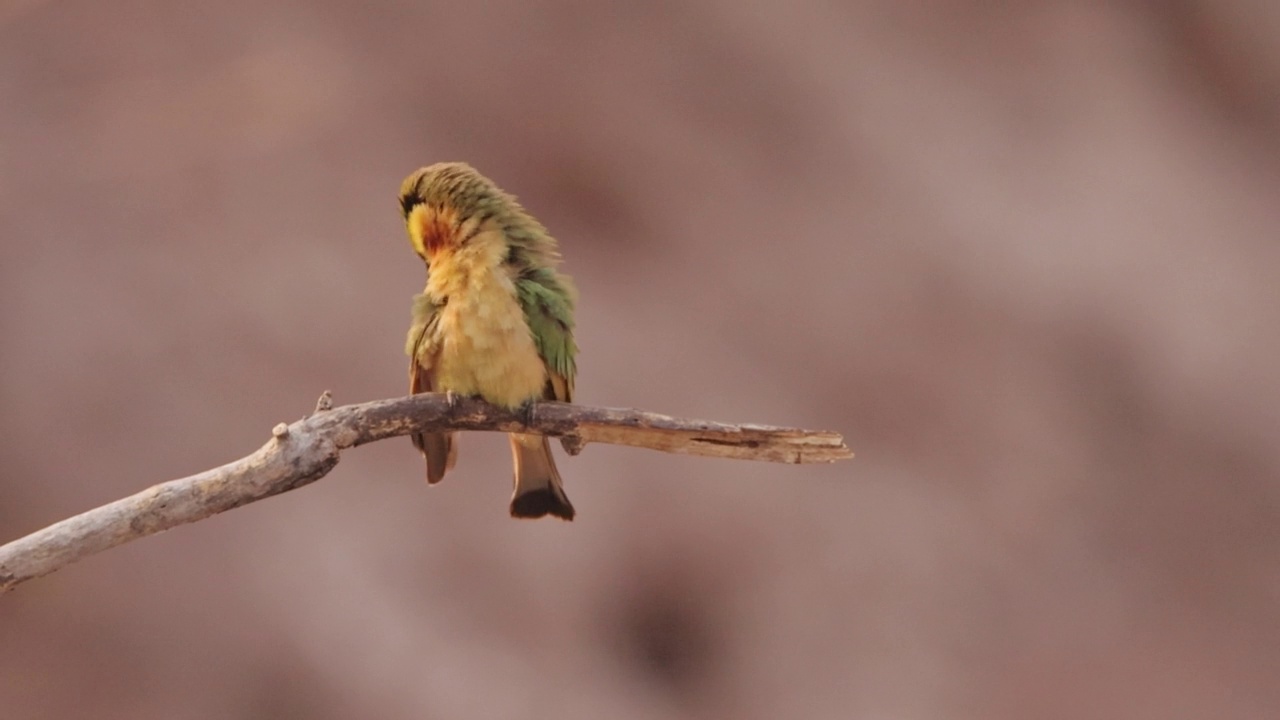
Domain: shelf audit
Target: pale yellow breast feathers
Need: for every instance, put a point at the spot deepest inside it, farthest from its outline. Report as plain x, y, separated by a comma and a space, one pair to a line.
483, 339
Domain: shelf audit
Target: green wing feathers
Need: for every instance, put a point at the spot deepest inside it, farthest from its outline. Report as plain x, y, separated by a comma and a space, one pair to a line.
425, 314
440, 449
547, 299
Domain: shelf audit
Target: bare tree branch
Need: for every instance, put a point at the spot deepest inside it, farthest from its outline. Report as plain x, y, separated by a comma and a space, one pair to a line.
302, 452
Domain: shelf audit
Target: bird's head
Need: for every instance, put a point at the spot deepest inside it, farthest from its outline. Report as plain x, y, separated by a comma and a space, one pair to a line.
442, 202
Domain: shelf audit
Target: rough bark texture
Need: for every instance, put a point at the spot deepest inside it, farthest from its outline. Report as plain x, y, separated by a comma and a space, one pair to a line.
305, 451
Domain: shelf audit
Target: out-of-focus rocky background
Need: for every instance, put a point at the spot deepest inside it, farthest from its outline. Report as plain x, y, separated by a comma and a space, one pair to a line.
1025, 257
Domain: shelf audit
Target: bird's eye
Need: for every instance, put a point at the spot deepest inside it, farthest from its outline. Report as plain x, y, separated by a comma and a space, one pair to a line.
408, 202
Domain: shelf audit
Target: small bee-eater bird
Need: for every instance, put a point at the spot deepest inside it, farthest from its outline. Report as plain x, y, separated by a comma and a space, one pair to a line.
495, 320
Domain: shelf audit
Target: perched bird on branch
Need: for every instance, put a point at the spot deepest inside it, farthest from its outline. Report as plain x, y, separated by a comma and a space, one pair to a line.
495, 319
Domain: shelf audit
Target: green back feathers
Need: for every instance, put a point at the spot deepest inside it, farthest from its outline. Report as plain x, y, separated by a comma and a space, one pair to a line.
547, 299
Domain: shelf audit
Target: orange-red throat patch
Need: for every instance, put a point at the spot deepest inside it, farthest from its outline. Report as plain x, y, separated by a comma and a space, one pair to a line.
432, 230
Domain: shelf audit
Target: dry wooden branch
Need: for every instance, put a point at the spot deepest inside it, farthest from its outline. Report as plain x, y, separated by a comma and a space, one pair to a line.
303, 452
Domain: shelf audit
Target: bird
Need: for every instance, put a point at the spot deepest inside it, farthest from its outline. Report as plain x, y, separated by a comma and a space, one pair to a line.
495, 319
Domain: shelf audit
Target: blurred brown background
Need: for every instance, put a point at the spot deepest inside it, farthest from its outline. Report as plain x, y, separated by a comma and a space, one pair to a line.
1024, 255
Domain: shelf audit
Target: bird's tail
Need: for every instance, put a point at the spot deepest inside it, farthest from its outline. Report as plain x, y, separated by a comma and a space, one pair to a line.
441, 451
538, 488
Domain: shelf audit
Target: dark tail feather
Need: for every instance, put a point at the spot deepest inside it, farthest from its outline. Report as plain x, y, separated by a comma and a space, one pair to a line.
538, 489
540, 503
